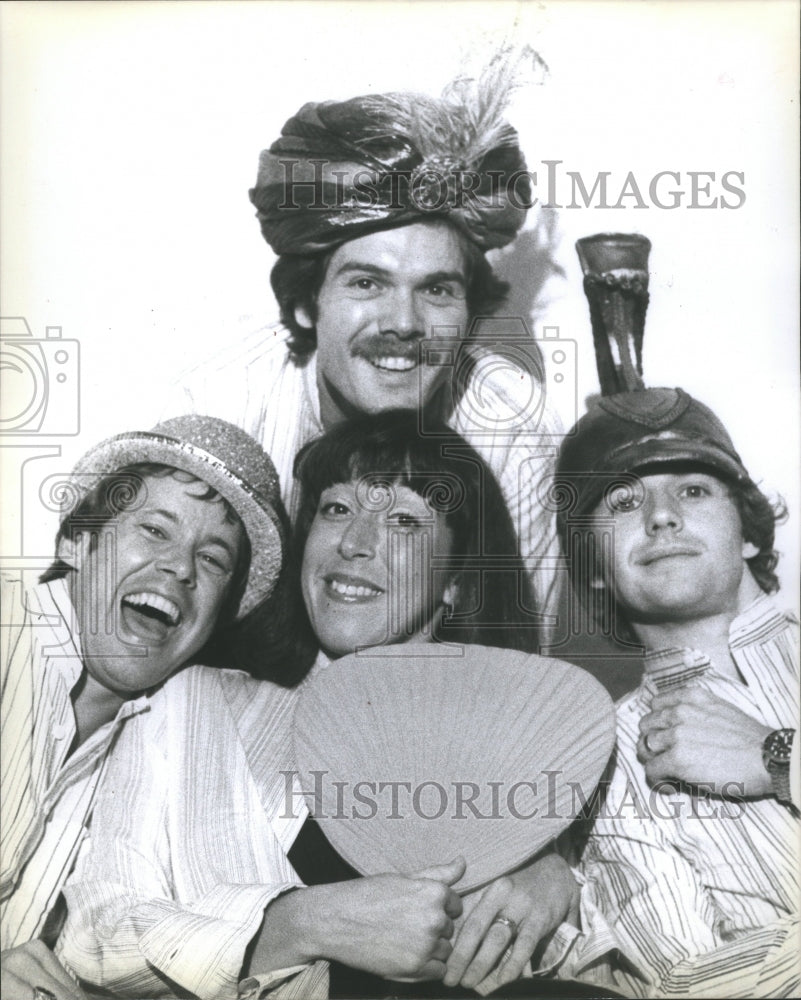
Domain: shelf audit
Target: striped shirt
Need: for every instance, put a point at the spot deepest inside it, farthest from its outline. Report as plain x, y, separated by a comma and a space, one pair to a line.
503, 413
189, 842
691, 895
47, 796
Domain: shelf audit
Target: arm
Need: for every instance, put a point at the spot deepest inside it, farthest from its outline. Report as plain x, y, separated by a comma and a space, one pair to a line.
394, 926
145, 909
651, 908
679, 891
30, 965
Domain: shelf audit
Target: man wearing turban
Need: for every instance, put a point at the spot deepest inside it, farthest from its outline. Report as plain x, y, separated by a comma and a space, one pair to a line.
381, 209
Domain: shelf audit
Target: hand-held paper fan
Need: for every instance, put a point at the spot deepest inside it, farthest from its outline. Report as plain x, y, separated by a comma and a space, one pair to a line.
409, 757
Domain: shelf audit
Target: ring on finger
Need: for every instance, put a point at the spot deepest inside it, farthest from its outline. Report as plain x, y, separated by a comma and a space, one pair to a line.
506, 922
40, 993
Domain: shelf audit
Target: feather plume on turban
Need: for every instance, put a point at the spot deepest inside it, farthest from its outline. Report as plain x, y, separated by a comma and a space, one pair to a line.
343, 169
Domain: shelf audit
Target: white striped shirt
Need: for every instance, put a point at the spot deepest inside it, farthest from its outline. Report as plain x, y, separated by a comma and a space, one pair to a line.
689, 895
189, 842
503, 413
46, 798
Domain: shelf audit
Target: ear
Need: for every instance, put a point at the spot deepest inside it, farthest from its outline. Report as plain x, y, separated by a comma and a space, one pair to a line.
450, 595
303, 318
72, 551
749, 550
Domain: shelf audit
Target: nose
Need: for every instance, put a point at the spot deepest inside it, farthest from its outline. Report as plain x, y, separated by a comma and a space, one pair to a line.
359, 537
402, 316
178, 561
661, 510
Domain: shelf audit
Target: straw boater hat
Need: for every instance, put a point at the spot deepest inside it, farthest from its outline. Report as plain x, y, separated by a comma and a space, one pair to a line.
444, 725
223, 456
344, 169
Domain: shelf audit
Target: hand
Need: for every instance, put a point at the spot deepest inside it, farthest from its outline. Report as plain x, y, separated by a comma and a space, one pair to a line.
29, 965
695, 737
537, 898
400, 926
395, 926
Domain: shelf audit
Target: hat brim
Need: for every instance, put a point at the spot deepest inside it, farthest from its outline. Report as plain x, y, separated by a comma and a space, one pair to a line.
657, 451
262, 524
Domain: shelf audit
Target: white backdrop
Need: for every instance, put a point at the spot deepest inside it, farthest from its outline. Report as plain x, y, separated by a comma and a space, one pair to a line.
131, 133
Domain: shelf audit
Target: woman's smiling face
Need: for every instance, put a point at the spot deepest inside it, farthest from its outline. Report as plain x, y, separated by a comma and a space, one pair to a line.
368, 573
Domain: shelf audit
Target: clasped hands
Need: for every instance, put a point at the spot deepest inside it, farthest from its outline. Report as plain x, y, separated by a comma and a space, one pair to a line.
691, 735
405, 927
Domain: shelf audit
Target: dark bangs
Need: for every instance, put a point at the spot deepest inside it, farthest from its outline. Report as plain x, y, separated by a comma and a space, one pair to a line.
391, 449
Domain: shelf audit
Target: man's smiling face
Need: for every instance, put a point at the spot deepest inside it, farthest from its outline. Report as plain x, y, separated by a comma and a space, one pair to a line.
678, 551
148, 595
383, 294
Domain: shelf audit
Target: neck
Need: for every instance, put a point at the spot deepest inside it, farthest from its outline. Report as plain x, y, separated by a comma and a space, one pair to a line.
94, 706
709, 634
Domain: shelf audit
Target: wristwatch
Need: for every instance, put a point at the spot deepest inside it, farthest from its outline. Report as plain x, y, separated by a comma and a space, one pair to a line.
776, 752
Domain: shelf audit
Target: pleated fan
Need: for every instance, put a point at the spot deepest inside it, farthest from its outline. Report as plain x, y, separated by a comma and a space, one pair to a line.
411, 755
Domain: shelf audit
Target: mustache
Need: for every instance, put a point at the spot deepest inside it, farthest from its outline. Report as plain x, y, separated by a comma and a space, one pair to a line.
382, 345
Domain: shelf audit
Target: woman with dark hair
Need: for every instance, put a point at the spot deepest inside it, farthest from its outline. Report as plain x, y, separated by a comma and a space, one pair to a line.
477, 592
405, 537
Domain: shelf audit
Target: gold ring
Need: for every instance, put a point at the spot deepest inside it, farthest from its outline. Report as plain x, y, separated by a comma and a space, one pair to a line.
507, 922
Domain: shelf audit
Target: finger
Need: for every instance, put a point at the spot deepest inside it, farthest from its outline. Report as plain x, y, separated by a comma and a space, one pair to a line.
667, 699
654, 742
15, 988
442, 950
51, 965
453, 905
496, 942
469, 937
446, 929
448, 873
521, 951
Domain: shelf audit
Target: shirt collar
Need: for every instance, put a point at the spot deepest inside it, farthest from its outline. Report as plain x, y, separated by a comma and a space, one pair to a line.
675, 666
66, 647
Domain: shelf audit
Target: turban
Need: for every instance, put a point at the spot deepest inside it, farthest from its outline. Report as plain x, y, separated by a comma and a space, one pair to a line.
344, 169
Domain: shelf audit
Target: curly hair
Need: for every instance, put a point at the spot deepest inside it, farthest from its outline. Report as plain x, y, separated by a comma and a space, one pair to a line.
758, 517
296, 281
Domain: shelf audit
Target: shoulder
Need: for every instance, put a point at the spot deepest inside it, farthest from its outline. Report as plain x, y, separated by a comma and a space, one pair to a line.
505, 390
255, 344
230, 691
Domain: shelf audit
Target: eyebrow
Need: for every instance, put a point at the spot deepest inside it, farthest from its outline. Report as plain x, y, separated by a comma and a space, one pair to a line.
379, 272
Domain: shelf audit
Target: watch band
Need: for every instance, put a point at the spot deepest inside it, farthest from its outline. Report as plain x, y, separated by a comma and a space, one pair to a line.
776, 751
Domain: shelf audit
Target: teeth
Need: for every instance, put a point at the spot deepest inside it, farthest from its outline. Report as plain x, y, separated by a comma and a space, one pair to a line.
351, 590
394, 364
158, 603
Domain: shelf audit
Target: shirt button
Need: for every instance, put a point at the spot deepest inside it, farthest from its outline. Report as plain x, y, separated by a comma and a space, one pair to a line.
61, 730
